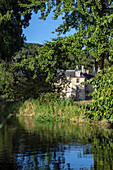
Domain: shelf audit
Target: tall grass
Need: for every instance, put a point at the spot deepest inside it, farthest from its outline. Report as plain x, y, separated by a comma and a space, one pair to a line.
50, 107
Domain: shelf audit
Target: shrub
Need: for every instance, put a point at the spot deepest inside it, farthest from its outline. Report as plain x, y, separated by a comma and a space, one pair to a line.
101, 106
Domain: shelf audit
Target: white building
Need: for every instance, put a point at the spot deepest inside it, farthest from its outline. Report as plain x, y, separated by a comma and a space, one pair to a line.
74, 86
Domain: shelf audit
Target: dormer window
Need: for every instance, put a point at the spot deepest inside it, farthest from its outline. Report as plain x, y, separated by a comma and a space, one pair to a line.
77, 73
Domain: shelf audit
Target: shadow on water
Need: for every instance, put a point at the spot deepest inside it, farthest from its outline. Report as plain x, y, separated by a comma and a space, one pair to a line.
26, 144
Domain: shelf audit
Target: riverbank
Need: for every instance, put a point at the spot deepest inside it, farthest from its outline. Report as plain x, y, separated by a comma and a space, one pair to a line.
52, 110
8, 109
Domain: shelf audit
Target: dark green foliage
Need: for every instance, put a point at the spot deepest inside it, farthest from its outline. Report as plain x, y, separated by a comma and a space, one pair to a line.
8, 108
60, 54
11, 24
35, 66
17, 79
48, 98
53, 56
86, 60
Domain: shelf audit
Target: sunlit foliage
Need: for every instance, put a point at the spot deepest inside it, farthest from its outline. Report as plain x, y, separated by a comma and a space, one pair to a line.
101, 106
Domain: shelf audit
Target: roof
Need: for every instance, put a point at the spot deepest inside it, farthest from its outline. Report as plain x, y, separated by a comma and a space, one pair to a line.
88, 76
71, 73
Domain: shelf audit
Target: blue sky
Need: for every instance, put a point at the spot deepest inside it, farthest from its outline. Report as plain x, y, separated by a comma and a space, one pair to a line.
40, 31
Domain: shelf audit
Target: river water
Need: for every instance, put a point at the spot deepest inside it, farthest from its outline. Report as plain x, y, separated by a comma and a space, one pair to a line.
26, 144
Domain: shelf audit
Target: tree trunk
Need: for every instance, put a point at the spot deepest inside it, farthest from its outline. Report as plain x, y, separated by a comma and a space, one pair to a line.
99, 64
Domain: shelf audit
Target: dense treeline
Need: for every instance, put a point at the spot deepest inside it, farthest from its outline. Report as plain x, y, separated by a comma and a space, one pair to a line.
17, 77
11, 25
28, 73
32, 70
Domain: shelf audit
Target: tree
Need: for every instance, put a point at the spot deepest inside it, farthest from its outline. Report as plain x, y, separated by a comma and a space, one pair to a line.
23, 78
53, 56
11, 24
60, 55
101, 106
91, 19
93, 24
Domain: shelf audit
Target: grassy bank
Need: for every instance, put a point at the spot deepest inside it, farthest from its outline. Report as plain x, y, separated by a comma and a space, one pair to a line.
59, 110
62, 110
45, 108
50, 108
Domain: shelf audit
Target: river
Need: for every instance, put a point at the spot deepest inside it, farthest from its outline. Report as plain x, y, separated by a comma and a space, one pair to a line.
26, 144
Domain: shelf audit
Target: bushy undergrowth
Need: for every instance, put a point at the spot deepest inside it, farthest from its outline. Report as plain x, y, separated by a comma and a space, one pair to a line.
9, 107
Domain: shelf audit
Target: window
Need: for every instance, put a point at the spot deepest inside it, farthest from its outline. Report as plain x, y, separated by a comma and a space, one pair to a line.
77, 88
77, 80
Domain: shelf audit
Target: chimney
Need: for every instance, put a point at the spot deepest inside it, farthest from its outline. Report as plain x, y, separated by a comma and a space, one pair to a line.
87, 71
93, 73
82, 68
77, 68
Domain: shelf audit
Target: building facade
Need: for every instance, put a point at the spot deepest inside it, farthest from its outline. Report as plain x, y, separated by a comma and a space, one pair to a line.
75, 89
75, 86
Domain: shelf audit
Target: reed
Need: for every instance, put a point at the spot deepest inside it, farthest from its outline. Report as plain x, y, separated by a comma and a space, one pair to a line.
52, 108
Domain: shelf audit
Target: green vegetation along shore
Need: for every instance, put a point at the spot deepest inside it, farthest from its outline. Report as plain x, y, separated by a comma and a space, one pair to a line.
50, 107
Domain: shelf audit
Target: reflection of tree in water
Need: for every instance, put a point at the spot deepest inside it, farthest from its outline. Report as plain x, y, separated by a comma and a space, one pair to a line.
44, 145
7, 160
103, 152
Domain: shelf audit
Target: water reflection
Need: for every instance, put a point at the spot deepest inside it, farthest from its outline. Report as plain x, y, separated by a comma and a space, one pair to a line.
26, 144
